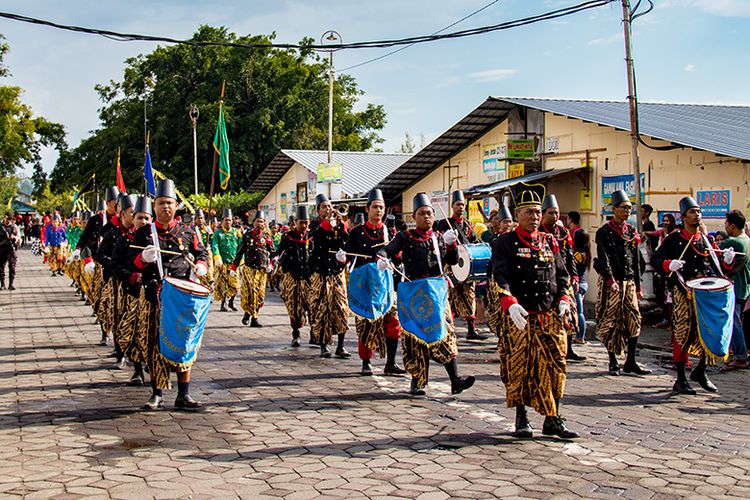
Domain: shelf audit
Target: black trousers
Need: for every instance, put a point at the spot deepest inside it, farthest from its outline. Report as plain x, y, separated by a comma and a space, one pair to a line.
7, 255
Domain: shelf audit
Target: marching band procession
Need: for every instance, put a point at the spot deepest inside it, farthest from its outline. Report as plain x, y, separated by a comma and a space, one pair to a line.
150, 279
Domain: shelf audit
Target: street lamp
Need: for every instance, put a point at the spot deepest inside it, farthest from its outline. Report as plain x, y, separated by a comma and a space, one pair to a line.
333, 40
194, 113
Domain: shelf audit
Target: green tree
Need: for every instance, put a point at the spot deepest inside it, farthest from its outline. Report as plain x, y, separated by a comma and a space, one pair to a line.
274, 99
22, 135
408, 145
39, 177
7, 193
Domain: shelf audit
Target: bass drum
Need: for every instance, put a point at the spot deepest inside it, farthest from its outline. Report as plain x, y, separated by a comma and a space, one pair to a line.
473, 261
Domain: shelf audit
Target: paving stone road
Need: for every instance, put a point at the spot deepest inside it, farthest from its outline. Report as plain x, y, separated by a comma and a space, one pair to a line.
282, 422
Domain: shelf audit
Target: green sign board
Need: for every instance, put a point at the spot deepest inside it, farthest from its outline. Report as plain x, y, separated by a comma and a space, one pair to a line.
520, 148
330, 172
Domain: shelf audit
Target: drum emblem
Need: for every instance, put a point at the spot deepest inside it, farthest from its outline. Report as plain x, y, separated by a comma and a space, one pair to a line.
420, 304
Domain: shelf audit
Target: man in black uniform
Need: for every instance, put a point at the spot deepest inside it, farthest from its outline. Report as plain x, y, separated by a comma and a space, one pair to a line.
682, 256
618, 315
530, 272
328, 300
552, 225
382, 334
423, 252
294, 259
255, 248
462, 296
154, 265
10, 241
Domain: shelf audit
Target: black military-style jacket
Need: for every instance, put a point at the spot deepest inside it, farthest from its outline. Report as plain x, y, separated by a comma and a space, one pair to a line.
362, 240
530, 268
255, 249
123, 268
464, 229
106, 249
617, 253
94, 230
294, 251
324, 240
175, 238
417, 250
698, 260
565, 243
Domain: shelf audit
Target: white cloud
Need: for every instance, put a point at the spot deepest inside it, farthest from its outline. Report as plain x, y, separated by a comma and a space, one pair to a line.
605, 40
492, 75
690, 68
726, 8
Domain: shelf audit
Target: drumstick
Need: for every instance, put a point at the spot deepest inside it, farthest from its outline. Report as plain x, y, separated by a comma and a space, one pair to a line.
722, 250
158, 250
369, 257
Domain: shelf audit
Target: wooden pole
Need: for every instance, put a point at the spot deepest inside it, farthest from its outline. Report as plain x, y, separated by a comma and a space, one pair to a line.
215, 158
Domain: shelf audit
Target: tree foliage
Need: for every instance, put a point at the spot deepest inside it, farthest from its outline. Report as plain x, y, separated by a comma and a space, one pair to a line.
239, 203
274, 99
22, 135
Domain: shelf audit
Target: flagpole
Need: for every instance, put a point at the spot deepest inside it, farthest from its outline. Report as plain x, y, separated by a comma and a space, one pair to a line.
215, 158
145, 182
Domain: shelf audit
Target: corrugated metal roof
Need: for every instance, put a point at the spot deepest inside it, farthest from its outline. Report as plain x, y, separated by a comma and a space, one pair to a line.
362, 171
720, 129
540, 176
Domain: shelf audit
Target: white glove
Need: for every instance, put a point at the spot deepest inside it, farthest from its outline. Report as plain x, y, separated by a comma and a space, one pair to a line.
76, 254
69, 260
149, 254
382, 264
200, 269
449, 237
232, 273
518, 315
89, 268
341, 256
676, 265
563, 308
729, 255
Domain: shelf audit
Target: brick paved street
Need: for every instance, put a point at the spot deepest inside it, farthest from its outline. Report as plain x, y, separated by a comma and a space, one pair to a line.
281, 422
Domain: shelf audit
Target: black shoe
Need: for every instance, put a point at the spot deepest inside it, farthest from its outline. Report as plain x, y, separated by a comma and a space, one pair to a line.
325, 352
703, 381
523, 428
555, 426
112, 354
245, 319
295, 342
11, 287
414, 389
104, 341
683, 387
614, 369
462, 384
254, 323
137, 380
473, 335
120, 364
573, 356
393, 370
223, 307
635, 369
366, 368
155, 403
312, 342
2, 286
186, 402
231, 304
342, 353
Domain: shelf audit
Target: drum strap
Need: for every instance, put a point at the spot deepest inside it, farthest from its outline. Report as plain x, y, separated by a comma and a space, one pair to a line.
712, 254
155, 240
437, 252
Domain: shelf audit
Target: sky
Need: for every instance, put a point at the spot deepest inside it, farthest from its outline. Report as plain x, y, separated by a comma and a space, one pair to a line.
684, 51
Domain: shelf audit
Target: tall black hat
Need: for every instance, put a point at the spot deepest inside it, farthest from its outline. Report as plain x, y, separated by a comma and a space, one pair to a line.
621, 196
359, 218
525, 195
503, 213
259, 214
421, 200
112, 193
165, 189
302, 212
320, 199
199, 213
457, 196
687, 203
227, 213
375, 195
101, 206
550, 201
142, 204
125, 201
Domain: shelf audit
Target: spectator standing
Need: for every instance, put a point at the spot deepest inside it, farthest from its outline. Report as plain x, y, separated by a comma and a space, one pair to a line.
739, 271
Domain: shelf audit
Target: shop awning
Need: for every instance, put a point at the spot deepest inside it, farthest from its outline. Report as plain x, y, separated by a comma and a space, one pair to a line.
541, 177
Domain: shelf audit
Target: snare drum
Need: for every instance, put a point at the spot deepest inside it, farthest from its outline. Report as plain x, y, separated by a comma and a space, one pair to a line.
713, 301
473, 261
184, 312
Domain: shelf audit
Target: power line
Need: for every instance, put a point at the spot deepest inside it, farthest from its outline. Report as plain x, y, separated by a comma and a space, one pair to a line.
129, 37
411, 45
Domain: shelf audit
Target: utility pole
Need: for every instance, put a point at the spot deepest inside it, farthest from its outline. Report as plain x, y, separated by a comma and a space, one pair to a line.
331, 37
194, 113
633, 101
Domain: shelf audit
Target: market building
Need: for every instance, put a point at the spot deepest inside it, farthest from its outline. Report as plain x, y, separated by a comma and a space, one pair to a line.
297, 176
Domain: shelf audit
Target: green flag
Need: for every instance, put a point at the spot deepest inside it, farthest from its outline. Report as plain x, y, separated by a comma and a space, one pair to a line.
221, 146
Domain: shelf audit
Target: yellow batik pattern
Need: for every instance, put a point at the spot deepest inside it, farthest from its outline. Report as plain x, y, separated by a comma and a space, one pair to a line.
417, 355
295, 294
253, 290
226, 284
462, 297
329, 306
618, 316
